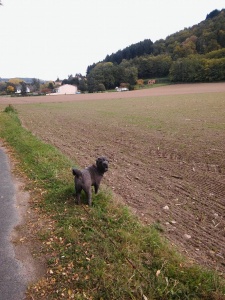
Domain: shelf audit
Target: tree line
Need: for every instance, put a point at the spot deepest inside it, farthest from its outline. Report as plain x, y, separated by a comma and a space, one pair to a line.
17, 86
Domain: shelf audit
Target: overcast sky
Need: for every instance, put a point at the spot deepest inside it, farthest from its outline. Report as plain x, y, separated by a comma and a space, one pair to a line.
47, 39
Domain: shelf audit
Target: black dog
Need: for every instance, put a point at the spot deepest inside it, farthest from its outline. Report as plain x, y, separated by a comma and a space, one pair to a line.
91, 176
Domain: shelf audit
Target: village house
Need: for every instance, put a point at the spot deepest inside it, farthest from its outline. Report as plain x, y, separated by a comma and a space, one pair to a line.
152, 81
66, 89
19, 88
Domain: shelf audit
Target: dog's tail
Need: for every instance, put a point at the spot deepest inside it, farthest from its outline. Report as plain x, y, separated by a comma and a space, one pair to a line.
76, 172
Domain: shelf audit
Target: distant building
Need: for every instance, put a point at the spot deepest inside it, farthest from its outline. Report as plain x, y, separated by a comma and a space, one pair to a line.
58, 82
121, 89
66, 89
152, 81
19, 88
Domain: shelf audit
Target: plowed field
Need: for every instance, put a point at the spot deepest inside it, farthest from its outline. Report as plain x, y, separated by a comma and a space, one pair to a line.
167, 155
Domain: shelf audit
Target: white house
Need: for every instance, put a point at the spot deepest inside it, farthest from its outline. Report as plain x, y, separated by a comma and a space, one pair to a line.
66, 89
18, 89
121, 89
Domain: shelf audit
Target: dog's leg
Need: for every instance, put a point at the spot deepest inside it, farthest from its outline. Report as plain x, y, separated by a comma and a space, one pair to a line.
96, 187
78, 198
88, 193
78, 190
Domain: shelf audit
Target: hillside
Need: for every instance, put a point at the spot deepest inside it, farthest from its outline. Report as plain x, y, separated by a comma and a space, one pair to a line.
195, 54
25, 79
207, 36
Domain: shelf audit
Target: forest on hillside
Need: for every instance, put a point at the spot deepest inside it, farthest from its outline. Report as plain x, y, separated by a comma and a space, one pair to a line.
195, 54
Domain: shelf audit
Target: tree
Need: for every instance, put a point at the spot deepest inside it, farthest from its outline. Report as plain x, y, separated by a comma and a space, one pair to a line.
131, 75
23, 88
128, 73
214, 69
10, 89
83, 87
213, 14
35, 84
50, 86
216, 54
65, 81
102, 73
190, 69
161, 65
2, 87
15, 81
144, 65
221, 38
92, 83
130, 52
101, 87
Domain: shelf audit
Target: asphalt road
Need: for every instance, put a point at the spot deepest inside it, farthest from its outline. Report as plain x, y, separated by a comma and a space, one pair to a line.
12, 280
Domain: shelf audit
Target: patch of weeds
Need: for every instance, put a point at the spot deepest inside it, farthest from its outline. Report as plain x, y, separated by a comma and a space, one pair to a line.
158, 226
10, 109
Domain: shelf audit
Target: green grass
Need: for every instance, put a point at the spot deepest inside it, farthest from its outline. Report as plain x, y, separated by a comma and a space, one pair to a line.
101, 252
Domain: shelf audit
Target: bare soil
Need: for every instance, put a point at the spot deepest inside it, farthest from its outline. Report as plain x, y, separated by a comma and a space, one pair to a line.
171, 174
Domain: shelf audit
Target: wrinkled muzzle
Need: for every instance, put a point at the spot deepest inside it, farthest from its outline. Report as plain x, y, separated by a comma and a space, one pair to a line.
105, 165
102, 164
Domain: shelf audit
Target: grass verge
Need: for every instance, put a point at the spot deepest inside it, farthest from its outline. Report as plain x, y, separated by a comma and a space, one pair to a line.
101, 252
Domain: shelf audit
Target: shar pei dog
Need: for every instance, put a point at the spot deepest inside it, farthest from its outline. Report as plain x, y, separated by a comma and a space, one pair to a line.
88, 177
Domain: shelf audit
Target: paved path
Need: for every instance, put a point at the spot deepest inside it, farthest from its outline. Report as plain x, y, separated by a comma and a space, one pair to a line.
12, 280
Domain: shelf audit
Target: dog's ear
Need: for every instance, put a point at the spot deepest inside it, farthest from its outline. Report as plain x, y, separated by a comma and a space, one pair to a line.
98, 160
101, 158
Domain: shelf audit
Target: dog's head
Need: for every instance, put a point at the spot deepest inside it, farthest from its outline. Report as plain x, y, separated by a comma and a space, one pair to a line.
102, 164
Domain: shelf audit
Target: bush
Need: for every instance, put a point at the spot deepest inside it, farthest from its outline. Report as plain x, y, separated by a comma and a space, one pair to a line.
10, 109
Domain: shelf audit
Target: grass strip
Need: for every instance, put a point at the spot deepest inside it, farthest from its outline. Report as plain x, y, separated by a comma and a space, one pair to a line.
101, 252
